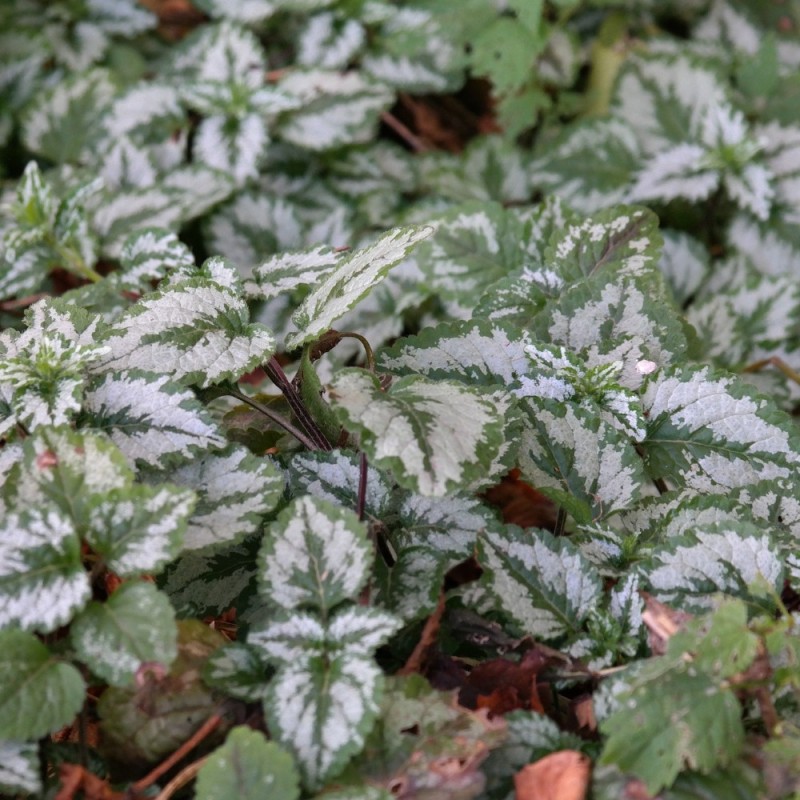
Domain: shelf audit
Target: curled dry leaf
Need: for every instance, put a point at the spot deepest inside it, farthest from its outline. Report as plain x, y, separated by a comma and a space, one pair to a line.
559, 776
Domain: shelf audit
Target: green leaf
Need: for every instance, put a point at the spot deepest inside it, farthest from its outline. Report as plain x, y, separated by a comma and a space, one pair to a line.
248, 767
418, 429
505, 52
235, 490
152, 419
350, 281
20, 770
42, 580
713, 433
544, 583
139, 529
316, 554
196, 332
135, 625
669, 718
38, 693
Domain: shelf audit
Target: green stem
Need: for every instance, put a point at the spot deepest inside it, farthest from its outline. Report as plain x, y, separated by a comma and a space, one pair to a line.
275, 417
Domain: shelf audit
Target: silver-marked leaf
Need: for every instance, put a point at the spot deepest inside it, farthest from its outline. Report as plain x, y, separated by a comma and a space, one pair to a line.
287, 271
625, 320
544, 583
199, 584
235, 489
316, 554
335, 477
583, 463
237, 670
151, 254
20, 770
139, 529
433, 436
42, 580
134, 625
39, 693
474, 245
477, 352
590, 166
248, 767
70, 469
153, 420
623, 240
329, 42
234, 145
712, 433
196, 332
730, 557
64, 124
516, 299
326, 694
146, 112
247, 12
411, 587
685, 264
354, 275
337, 108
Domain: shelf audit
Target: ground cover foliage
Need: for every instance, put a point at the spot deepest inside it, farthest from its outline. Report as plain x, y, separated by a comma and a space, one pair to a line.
396, 399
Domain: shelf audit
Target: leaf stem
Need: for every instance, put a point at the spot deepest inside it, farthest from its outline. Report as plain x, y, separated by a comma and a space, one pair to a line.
362, 486
278, 377
561, 521
277, 418
370, 356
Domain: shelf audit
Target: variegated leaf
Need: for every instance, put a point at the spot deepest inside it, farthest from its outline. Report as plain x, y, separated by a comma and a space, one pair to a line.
350, 281
685, 264
542, 582
337, 108
335, 477
329, 42
63, 125
326, 694
583, 463
232, 145
147, 111
419, 432
411, 587
20, 770
135, 625
151, 254
248, 12
590, 166
235, 490
209, 583
477, 352
153, 420
42, 580
196, 332
70, 469
474, 245
712, 433
731, 557
287, 271
139, 529
238, 670
316, 554
39, 691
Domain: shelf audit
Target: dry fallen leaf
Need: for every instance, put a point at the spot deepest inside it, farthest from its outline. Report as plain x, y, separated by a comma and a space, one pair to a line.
559, 776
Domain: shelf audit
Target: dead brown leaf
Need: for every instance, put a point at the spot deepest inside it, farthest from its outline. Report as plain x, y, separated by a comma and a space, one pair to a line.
662, 623
559, 776
520, 504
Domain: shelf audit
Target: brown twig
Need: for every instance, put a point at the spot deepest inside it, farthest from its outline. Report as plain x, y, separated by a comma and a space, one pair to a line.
404, 132
188, 773
204, 730
427, 638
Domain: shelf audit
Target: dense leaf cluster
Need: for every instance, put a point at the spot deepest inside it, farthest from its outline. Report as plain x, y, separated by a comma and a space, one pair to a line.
274, 337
